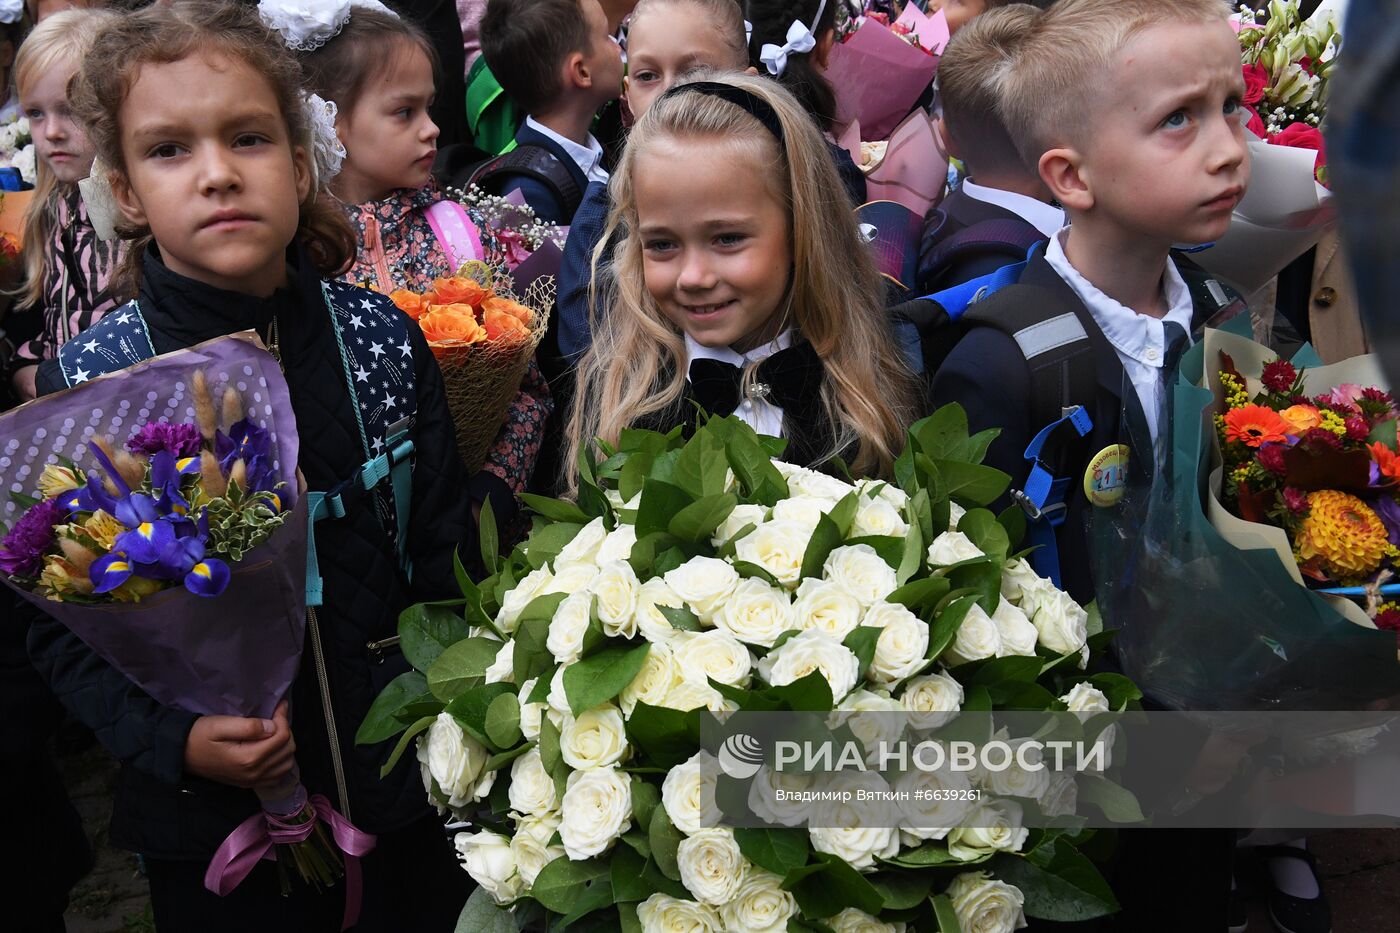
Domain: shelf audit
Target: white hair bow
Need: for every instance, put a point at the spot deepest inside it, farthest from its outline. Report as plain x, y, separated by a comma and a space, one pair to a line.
326, 148
800, 41
11, 11
306, 25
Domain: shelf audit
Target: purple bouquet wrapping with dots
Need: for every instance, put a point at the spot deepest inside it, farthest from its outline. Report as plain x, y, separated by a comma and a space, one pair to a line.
155, 512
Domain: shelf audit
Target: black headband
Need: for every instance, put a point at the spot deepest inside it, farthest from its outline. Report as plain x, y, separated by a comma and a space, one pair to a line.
744, 99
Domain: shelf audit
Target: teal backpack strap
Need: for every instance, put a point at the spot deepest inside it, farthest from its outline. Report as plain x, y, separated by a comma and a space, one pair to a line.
120, 339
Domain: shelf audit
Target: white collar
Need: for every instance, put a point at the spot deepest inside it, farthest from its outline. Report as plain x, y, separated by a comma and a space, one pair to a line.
1131, 334
694, 351
588, 158
1046, 218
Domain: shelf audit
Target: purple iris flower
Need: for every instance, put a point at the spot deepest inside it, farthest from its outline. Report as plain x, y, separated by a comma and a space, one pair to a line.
181, 440
167, 474
1389, 511
207, 578
247, 442
22, 552
109, 572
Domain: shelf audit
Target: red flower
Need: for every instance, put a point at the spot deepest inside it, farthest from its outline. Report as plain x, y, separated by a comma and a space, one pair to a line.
1357, 428
1320, 439
1302, 136
1279, 376
1306, 63
1254, 425
1256, 123
1295, 499
1388, 620
1271, 459
1386, 461
1256, 79
1376, 395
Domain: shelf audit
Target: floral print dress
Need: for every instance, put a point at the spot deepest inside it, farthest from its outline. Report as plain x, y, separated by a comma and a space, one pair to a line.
399, 250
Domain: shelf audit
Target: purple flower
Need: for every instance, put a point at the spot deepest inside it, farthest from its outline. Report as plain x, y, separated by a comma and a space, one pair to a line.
1389, 512
182, 440
22, 552
247, 442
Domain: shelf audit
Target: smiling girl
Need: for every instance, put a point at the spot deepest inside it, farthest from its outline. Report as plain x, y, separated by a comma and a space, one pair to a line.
196, 108
742, 286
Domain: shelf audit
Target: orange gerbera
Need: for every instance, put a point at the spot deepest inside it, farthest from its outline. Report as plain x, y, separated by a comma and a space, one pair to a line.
501, 324
1301, 418
459, 291
451, 324
1255, 425
516, 310
1387, 460
410, 303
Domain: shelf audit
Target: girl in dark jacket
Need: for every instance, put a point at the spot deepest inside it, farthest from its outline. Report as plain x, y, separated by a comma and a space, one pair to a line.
197, 110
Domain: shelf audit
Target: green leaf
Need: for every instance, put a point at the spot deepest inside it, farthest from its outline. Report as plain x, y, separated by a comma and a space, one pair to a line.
999, 670
561, 883
753, 469
806, 694
1013, 519
483, 915
890, 549
833, 888
975, 451
546, 541
399, 747
983, 530
681, 618
750, 570
530, 657
501, 759
556, 510
1094, 624
697, 522
920, 595
645, 798
778, 850
597, 679
911, 561
503, 721
862, 641
380, 722
426, 630
1385, 433
825, 539
941, 433
931, 855
628, 885
1062, 885
665, 737
596, 895
945, 915
470, 708
490, 538
843, 514
550, 755
665, 840
901, 890
702, 468
659, 502
1120, 690
1117, 802
972, 482
982, 577
461, 666
944, 629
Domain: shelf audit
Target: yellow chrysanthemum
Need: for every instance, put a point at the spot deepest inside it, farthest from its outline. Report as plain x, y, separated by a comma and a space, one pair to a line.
103, 529
1343, 534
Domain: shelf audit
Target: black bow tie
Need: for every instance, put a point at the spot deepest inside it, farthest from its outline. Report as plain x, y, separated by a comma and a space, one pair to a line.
789, 379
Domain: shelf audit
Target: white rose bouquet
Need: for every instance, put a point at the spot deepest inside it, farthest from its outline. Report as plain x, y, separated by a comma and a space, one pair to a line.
556, 707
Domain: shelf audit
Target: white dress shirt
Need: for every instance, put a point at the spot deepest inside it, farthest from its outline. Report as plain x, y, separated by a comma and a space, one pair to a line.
1138, 339
1047, 218
589, 158
758, 413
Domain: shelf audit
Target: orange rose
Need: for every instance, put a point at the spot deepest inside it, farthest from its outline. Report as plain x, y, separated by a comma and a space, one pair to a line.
451, 324
518, 311
459, 291
1301, 418
501, 324
410, 303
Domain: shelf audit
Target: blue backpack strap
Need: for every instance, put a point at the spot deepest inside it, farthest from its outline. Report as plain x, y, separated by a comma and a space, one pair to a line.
1043, 495
120, 339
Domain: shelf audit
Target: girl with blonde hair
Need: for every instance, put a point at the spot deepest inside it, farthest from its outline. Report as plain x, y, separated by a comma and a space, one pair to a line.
742, 286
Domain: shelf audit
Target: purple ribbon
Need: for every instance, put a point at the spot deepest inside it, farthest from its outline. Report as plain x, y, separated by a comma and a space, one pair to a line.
256, 837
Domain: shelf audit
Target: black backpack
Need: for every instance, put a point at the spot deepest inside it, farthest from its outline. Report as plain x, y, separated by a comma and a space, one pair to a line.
464, 166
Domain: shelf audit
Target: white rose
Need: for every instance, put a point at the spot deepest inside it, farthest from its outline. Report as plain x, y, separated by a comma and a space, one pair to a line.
952, 547
1017, 633
502, 670
1015, 781
487, 857
26, 161
855, 920
617, 545
860, 571
662, 913
812, 651
1017, 577
686, 695
903, 642
596, 810
932, 700
558, 700
713, 654
768, 806
653, 682
955, 515
978, 637
759, 906
571, 578
703, 583
777, 547
654, 626
1088, 700
530, 712
583, 549
737, 521
531, 848
804, 482
985, 905
852, 831
1062, 624
597, 738
1061, 798
878, 517
569, 625
531, 787
454, 760
711, 865
756, 613
534, 584
803, 510
688, 793
615, 589
887, 491
992, 827
873, 731
934, 801
825, 607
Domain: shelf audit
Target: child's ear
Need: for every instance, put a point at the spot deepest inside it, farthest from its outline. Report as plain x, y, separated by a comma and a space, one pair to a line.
945, 139
127, 201
301, 164
1063, 172
751, 70
822, 53
576, 71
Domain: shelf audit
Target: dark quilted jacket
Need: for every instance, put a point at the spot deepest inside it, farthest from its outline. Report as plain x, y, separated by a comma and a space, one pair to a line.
159, 809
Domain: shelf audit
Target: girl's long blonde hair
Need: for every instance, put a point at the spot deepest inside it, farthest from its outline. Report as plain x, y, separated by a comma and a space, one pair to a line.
62, 40
636, 366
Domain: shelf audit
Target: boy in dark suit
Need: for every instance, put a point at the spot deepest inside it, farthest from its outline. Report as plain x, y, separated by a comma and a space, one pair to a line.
557, 59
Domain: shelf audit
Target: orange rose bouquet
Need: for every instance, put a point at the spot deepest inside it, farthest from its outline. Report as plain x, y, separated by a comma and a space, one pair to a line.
483, 337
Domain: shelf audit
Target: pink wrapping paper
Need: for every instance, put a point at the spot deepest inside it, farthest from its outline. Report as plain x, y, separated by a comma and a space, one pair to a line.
878, 77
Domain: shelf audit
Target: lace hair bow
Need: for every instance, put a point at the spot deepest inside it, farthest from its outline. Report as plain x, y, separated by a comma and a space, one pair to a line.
11, 11
306, 25
800, 41
326, 148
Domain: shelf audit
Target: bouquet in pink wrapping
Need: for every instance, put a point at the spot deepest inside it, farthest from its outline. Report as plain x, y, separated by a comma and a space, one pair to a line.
154, 512
879, 75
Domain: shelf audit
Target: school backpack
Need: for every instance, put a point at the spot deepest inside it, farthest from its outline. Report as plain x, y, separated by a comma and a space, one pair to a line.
532, 161
1002, 241
364, 323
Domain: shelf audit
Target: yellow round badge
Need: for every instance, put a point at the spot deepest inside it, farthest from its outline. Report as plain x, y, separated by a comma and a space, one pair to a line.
1106, 478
